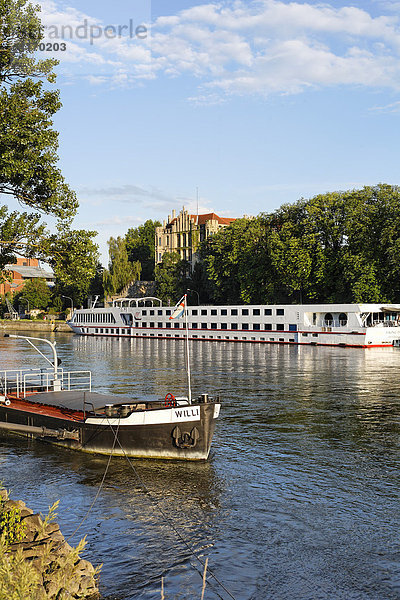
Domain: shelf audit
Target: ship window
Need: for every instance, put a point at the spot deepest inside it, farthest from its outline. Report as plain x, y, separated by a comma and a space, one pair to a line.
204, 325
245, 326
245, 311
234, 312
159, 312
224, 326
159, 325
213, 326
343, 319
328, 319
271, 339
152, 312
168, 312
203, 311
213, 312
194, 325
168, 325
144, 324
144, 312
256, 311
195, 336
280, 327
224, 312
176, 325
111, 330
281, 339
315, 334
280, 312
234, 326
267, 326
194, 312
256, 326
304, 334
293, 327
267, 311
151, 324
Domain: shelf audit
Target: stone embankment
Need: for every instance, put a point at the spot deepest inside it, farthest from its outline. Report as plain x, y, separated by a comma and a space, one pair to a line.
35, 559
7, 325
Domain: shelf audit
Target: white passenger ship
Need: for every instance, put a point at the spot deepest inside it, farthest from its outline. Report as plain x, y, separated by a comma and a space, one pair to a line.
354, 325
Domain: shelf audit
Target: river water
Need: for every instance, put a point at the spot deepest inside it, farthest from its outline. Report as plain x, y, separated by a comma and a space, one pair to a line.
300, 497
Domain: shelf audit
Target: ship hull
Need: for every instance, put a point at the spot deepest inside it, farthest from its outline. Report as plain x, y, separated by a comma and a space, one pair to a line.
164, 436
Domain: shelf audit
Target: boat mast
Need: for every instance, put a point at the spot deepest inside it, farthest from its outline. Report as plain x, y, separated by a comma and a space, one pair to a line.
187, 351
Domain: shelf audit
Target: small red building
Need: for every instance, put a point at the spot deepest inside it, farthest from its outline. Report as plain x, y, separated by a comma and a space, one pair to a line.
22, 271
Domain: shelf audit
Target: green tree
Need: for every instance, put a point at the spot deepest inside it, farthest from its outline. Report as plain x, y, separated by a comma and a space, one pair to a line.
120, 271
140, 245
28, 143
171, 277
74, 257
36, 292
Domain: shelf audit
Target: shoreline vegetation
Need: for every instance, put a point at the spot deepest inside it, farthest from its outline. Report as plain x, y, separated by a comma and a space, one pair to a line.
36, 562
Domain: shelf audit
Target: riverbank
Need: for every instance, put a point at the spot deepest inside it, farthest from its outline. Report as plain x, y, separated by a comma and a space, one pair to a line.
7, 325
35, 559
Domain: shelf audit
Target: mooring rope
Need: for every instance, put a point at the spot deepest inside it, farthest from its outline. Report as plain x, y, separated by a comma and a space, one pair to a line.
115, 433
170, 522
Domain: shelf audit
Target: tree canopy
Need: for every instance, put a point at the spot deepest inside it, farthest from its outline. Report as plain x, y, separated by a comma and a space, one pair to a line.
120, 271
335, 247
141, 247
28, 155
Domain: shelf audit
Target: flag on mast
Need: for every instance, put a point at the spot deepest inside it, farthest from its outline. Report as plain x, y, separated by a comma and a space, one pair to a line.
179, 309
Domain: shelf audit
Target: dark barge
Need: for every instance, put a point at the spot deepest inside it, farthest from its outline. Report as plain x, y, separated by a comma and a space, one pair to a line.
59, 407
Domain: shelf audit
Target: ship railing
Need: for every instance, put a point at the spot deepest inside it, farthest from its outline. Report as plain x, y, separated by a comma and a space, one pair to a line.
334, 323
22, 383
12, 380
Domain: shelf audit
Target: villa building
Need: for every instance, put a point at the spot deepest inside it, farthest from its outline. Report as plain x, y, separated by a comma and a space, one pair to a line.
184, 233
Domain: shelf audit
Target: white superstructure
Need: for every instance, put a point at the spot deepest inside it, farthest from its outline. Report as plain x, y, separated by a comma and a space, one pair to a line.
357, 325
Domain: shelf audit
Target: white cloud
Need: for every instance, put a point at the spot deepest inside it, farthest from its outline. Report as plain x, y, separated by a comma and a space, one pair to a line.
259, 47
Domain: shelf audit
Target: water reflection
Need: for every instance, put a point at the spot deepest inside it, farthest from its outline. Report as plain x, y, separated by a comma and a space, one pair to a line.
299, 499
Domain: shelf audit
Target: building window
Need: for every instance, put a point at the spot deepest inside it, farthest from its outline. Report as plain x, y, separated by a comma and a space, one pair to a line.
267, 311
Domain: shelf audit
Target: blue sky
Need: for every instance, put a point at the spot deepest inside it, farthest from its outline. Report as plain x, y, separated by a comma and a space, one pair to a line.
255, 103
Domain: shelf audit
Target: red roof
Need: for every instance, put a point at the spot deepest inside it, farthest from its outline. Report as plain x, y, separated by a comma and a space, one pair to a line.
213, 217
207, 217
